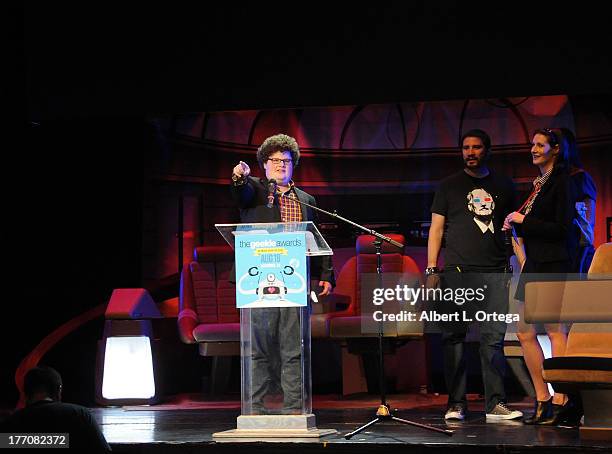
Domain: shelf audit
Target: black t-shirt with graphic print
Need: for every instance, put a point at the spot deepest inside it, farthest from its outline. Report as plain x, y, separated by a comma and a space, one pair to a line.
475, 209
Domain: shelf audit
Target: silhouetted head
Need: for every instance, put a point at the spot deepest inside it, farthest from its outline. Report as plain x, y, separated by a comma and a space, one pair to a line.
41, 383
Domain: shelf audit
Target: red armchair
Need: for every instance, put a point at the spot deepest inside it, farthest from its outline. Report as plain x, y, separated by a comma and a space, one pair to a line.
207, 310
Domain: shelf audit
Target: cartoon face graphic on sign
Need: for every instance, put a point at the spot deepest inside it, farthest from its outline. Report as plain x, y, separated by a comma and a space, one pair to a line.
481, 203
271, 287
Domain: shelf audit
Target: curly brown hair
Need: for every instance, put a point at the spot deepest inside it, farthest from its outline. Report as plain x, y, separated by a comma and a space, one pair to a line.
278, 142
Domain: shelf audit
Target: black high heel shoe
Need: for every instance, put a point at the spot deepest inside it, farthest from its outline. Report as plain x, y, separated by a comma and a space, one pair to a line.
543, 411
575, 414
567, 414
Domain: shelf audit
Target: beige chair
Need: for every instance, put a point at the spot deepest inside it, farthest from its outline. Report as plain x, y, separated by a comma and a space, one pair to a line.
586, 367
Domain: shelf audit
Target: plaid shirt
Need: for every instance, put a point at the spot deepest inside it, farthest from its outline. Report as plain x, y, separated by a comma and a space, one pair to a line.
537, 185
290, 209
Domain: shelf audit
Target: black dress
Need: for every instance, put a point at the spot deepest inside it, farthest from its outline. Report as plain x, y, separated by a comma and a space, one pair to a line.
548, 232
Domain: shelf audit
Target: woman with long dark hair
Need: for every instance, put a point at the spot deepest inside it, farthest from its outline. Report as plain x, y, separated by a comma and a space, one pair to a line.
544, 221
586, 193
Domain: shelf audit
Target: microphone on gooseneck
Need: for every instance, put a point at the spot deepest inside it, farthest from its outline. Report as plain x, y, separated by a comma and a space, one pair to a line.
271, 192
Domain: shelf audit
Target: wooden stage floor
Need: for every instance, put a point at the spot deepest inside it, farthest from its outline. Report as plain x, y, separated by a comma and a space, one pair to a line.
186, 424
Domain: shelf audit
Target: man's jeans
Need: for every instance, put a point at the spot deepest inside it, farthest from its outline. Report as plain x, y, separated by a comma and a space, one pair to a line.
492, 359
276, 338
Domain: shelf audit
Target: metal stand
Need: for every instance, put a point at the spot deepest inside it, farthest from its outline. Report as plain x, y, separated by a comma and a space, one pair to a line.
383, 412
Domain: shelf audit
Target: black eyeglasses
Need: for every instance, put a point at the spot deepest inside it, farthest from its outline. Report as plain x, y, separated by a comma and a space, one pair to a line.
278, 161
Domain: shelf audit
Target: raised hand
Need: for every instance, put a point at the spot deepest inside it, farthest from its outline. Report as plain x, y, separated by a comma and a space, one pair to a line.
242, 170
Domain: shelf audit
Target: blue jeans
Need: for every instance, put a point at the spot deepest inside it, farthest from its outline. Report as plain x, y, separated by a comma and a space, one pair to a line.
492, 359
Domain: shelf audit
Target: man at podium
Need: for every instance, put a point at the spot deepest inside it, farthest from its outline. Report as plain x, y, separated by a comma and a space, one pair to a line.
276, 330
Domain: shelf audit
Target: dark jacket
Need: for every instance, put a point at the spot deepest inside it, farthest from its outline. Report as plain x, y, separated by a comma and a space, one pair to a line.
59, 417
548, 229
252, 198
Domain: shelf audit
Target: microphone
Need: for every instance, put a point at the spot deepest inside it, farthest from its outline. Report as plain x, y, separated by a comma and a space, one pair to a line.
271, 192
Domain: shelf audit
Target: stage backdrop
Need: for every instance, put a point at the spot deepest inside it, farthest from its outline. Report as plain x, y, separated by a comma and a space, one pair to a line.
377, 164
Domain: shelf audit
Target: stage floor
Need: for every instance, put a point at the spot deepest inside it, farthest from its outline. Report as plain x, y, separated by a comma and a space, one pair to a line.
187, 425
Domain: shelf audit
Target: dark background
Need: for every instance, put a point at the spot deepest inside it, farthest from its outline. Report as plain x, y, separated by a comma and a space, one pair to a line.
80, 79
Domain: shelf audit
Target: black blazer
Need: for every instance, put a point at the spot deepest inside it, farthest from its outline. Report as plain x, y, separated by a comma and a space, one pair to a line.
548, 229
252, 198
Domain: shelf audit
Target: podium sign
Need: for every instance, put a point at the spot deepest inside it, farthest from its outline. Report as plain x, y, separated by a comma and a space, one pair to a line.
271, 270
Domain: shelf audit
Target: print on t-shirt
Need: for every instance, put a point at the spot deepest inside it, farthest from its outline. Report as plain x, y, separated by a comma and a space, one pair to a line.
482, 205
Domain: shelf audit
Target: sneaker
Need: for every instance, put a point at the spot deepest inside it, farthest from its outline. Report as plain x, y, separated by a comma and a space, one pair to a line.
455, 412
501, 412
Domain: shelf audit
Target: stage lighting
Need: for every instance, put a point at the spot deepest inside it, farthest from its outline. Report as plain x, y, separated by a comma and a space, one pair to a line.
126, 366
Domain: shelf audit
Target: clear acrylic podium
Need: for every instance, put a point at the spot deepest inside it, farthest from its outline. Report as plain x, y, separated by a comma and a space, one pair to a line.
276, 398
